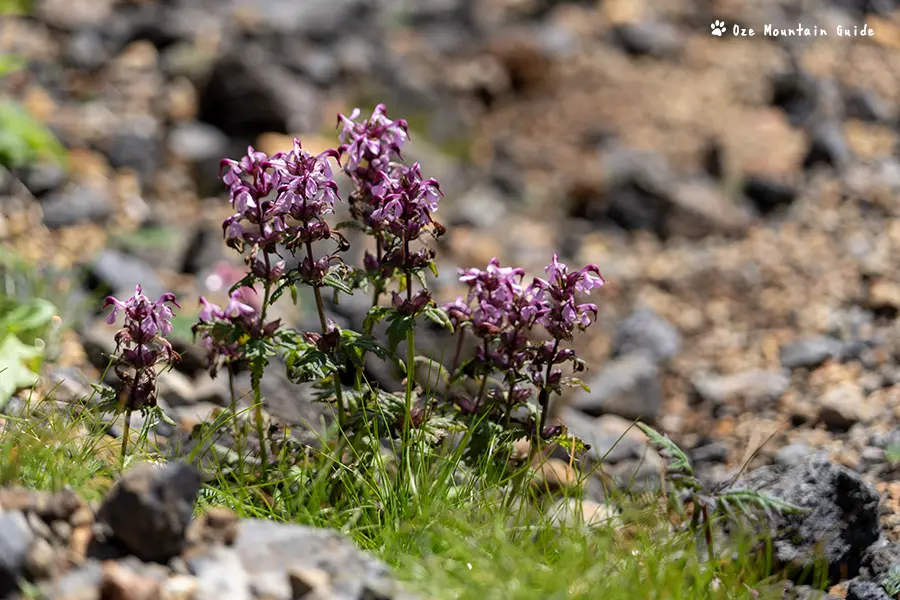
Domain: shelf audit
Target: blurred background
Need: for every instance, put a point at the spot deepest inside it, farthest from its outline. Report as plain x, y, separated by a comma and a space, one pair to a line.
738, 193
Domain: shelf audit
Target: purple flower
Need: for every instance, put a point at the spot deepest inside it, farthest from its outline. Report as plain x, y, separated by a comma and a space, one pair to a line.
562, 313
305, 183
404, 202
142, 342
369, 144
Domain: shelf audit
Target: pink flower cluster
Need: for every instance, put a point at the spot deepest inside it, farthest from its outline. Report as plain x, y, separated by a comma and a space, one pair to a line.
502, 311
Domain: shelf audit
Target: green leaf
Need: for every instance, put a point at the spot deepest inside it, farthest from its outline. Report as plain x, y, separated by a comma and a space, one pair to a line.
24, 139
439, 316
433, 268
332, 280
294, 294
400, 327
375, 315
19, 364
31, 316
679, 460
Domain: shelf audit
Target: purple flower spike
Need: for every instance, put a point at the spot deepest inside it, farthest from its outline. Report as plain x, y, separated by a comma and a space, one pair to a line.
369, 144
143, 343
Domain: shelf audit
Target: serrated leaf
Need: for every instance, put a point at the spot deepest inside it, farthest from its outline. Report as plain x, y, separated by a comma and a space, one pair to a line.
399, 328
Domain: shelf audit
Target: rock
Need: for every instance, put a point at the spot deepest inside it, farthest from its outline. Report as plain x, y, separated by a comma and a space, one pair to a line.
15, 541
881, 558
80, 583
313, 20
627, 458
649, 38
866, 590
266, 547
86, 51
76, 204
123, 583
797, 94
197, 142
645, 331
137, 145
809, 353
827, 146
42, 178
754, 388
842, 518
843, 406
481, 207
41, 560
119, 273
220, 574
571, 512
612, 439
768, 194
554, 475
865, 105
792, 453
249, 92
716, 452
149, 510
628, 386
176, 389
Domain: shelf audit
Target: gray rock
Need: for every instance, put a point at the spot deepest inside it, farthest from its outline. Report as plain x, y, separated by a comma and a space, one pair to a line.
81, 583
249, 92
828, 146
866, 590
623, 449
481, 207
628, 386
269, 547
649, 38
76, 204
43, 177
197, 142
15, 540
176, 388
755, 388
121, 273
220, 574
646, 331
137, 145
865, 105
792, 453
882, 560
840, 521
321, 21
149, 510
85, 50
809, 353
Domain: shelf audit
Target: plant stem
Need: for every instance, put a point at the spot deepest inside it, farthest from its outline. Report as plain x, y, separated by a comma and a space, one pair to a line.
126, 430
544, 395
320, 308
461, 336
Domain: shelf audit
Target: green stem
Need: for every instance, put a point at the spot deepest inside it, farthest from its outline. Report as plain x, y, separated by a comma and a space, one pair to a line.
237, 430
320, 308
126, 430
544, 395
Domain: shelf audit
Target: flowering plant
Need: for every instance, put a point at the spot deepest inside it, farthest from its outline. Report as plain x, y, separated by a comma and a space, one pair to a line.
141, 346
281, 206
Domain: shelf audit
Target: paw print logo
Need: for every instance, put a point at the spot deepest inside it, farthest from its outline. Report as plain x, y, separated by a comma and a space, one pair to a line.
718, 28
